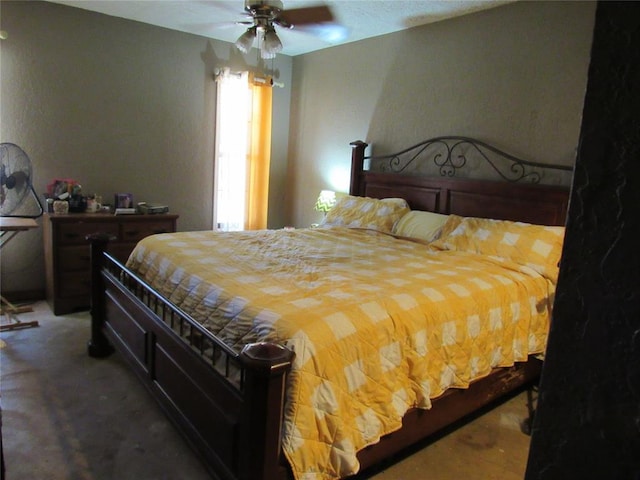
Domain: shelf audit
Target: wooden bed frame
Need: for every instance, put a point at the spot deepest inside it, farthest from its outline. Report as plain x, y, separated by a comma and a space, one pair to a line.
235, 425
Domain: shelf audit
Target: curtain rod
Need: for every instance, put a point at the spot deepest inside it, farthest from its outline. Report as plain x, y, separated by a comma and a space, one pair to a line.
266, 80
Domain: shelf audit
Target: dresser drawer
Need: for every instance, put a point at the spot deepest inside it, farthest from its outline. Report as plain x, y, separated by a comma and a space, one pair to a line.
74, 258
134, 231
68, 253
76, 233
73, 284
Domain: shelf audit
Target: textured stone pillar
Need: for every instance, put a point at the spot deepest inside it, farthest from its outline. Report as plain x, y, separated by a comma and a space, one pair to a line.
587, 425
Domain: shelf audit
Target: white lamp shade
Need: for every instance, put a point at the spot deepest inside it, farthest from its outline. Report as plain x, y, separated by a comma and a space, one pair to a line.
271, 43
245, 40
326, 201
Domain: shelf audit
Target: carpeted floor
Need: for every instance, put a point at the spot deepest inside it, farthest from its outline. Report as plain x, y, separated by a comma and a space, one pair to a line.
67, 416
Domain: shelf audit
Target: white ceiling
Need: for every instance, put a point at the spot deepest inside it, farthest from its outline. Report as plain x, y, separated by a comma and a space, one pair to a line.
216, 18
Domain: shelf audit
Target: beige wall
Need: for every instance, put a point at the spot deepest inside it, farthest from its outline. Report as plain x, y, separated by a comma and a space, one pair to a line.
514, 76
122, 107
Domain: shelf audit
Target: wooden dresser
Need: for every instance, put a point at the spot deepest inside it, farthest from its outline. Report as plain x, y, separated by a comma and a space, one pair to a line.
66, 251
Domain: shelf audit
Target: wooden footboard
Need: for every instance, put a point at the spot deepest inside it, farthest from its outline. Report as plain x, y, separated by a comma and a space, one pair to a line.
228, 405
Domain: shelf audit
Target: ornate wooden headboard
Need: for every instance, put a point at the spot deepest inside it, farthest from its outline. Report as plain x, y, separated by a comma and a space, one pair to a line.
518, 196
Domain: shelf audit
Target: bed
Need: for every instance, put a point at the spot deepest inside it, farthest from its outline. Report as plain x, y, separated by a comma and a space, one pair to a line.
301, 373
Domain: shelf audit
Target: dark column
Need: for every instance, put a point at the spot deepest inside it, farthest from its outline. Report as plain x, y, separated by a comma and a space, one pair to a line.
357, 165
587, 425
98, 344
260, 432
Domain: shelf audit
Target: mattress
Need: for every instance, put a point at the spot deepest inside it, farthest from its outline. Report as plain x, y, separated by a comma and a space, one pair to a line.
378, 324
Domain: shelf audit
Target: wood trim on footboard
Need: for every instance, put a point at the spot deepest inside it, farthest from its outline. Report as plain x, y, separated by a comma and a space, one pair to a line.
230, 413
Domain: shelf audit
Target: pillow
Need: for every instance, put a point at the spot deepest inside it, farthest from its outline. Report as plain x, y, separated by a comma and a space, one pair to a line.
365, 212
450, 225
420, 225
535, 246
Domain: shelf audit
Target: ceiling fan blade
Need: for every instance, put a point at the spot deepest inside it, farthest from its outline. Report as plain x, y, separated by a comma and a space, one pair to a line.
305, 16
229, 6
328, 32
207, 27
232, 24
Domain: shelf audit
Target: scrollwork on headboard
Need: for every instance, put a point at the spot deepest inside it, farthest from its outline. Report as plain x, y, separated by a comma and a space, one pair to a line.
450, 154
518, 195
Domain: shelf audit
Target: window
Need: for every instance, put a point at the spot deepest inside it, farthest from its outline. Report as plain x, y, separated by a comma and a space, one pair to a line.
242, 153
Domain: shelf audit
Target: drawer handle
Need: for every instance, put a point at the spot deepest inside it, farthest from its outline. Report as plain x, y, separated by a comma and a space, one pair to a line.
133, 232
72, 235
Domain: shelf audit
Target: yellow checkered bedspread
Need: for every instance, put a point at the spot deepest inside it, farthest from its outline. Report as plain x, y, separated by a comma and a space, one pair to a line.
378, 324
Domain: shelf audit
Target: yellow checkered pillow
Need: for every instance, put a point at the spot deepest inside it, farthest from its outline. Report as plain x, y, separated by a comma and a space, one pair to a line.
365, 212
535, 246
450, 225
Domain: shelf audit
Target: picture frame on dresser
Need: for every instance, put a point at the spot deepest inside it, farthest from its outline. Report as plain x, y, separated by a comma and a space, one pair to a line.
123, 200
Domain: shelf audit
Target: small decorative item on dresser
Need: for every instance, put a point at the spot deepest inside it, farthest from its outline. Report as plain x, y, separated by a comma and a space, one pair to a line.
125, 211
94, 203
60, 207
123, 200
152, 208
77, 203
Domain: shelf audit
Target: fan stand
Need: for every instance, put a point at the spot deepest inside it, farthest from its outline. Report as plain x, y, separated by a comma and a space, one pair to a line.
9, 310
34, 195
9, 228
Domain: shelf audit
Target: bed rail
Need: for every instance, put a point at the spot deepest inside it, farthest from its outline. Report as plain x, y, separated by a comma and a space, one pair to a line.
203, 342
230, 404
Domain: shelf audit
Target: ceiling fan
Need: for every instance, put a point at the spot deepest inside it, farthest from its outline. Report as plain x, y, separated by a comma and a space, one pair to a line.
265, 15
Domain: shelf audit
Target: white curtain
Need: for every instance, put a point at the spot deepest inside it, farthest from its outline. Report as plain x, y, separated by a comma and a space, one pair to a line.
233, 127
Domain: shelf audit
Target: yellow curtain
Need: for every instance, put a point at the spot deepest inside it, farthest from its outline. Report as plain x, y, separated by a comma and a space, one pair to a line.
259, 157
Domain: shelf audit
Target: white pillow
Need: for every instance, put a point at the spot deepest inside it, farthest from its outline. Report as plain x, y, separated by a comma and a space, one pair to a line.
420, 225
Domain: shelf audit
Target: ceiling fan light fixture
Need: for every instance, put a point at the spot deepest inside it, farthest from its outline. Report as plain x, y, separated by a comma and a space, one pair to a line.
271, 43
245, 41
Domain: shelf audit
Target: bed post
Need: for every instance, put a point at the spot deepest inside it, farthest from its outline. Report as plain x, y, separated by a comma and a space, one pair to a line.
98, 344
357, 167
260, 432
